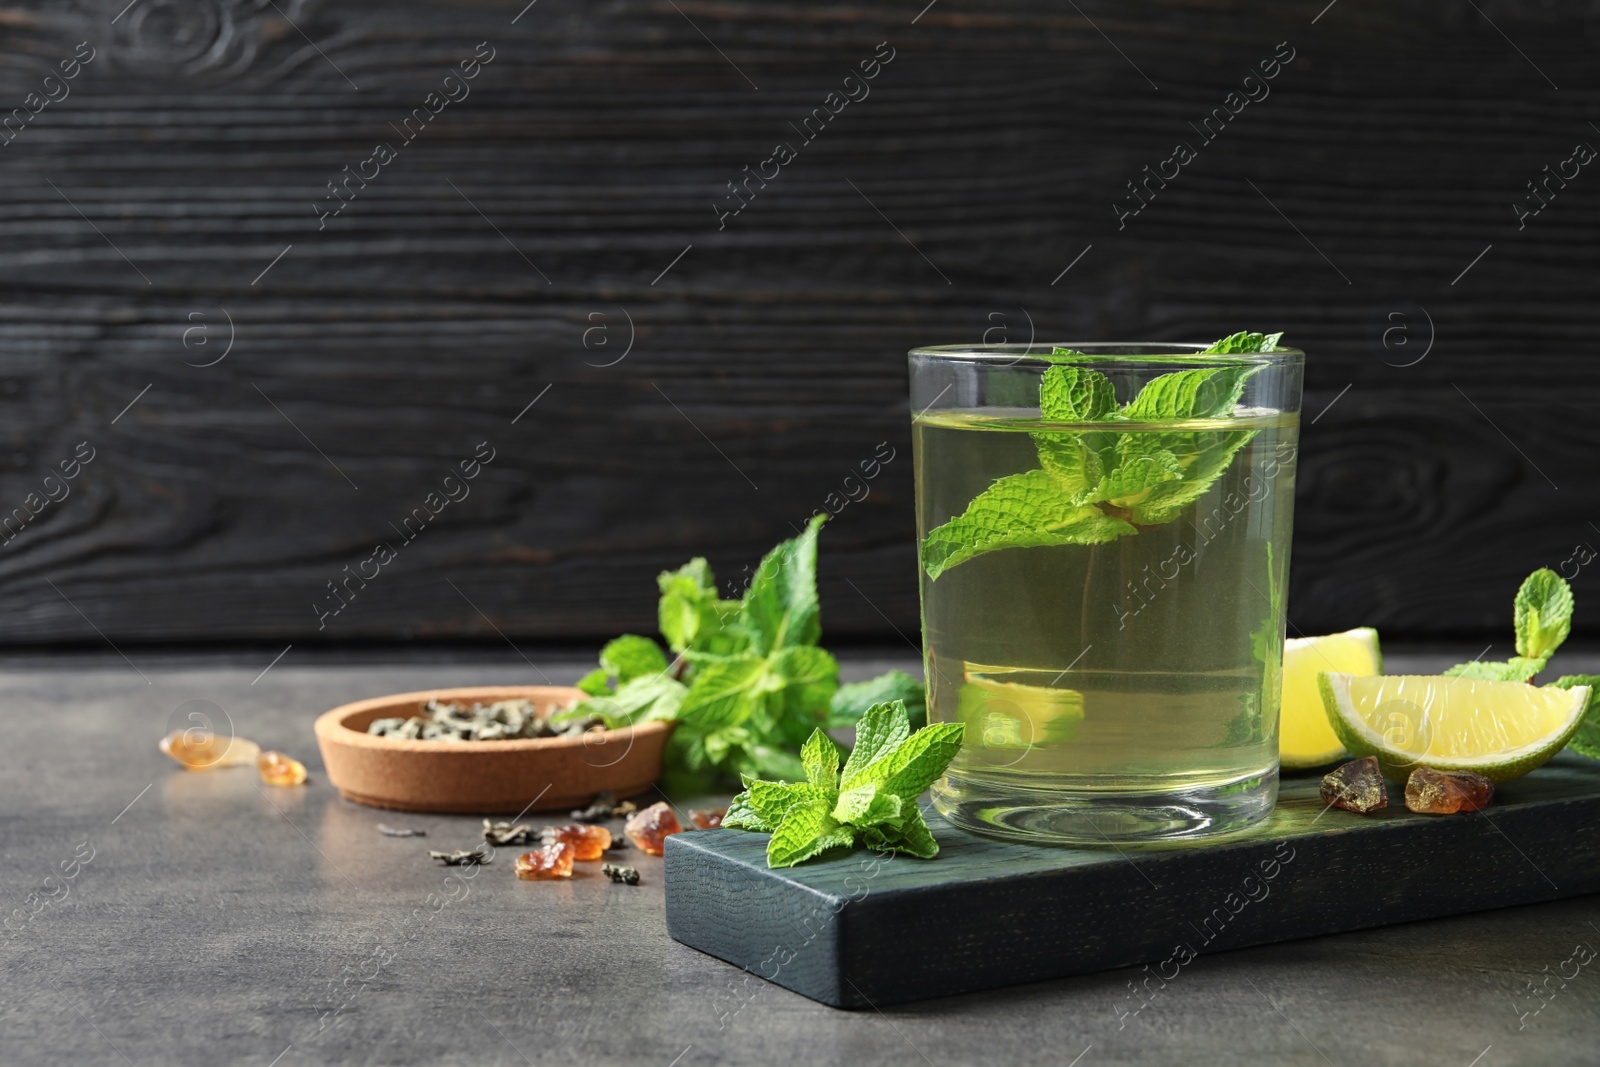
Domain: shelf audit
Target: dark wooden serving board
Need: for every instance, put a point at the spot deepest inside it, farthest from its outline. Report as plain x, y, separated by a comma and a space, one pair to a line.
858, 930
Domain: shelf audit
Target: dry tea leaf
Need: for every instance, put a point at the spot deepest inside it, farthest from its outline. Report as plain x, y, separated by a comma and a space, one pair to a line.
620, 875
461, 857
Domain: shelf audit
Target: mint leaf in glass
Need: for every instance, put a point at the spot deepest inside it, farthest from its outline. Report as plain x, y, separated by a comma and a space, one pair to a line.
1244, 341
1189, 394
1094, 486
1075, 394
1017, 511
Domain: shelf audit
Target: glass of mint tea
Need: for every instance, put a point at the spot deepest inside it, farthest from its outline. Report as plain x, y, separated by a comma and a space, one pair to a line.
1104, 539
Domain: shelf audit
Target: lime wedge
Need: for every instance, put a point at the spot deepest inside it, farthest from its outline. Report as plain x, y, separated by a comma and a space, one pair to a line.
1501, 730
1305, 739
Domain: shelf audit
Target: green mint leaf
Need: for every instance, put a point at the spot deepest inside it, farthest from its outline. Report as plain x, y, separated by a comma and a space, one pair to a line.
769, 762
1059, 354
1204, 455
1516, 669
686, 595
919, 760
641, 700
875, 802
911, 836
1142, 465
1077, 461
1144, 478
631, 656
1018, 511
1075, 394
806, 677
722, 693
1189, 394
597, 683
723, 744
686, 751
866, 805
820, 759
1244, 341
851, 702
768, 802
780, 607
1586, 742
881, 730
807, 830
1543, 617
1543, 613
692, 616
741, 815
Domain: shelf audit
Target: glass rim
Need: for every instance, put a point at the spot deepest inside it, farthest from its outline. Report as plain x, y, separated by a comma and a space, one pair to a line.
1105, 352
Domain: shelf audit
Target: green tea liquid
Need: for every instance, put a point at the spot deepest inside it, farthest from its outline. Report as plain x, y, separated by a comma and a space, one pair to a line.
1121, 691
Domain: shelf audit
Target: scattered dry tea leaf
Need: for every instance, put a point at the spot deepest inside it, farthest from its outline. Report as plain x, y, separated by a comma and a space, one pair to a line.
619, 874
502, 834
605, 807
461, 857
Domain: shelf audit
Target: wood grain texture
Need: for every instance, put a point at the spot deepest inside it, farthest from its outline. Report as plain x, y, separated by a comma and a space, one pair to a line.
140, 216
855, 931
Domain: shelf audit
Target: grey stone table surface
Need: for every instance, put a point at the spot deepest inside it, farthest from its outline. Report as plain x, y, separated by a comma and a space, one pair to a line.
159, 916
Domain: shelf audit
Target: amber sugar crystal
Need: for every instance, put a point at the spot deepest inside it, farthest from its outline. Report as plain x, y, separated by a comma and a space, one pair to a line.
707, 818
1431, 792
588, 842
548, 861
278, 769
650, 828
1356, 786
202, 750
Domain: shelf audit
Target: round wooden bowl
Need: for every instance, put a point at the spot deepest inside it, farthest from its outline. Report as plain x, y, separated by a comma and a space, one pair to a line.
483, 777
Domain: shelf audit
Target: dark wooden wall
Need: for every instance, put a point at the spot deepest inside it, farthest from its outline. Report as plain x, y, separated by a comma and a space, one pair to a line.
137, 217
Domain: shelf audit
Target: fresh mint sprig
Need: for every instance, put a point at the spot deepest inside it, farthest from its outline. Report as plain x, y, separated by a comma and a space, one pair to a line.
1586, 741
749, 682
1542, 617
1096, 486
872, 801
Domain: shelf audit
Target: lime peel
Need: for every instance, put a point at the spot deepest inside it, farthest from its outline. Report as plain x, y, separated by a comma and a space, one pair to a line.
1305, 738
1499, 729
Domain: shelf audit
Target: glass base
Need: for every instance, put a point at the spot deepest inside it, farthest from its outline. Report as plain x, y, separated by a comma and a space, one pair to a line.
1061, 817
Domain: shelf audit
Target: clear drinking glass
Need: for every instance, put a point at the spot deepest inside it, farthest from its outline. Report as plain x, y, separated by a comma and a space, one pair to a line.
1103, 585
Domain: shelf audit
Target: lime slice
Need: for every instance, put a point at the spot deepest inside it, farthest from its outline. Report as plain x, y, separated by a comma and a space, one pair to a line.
1501, 730
1305, 739
1016, 715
